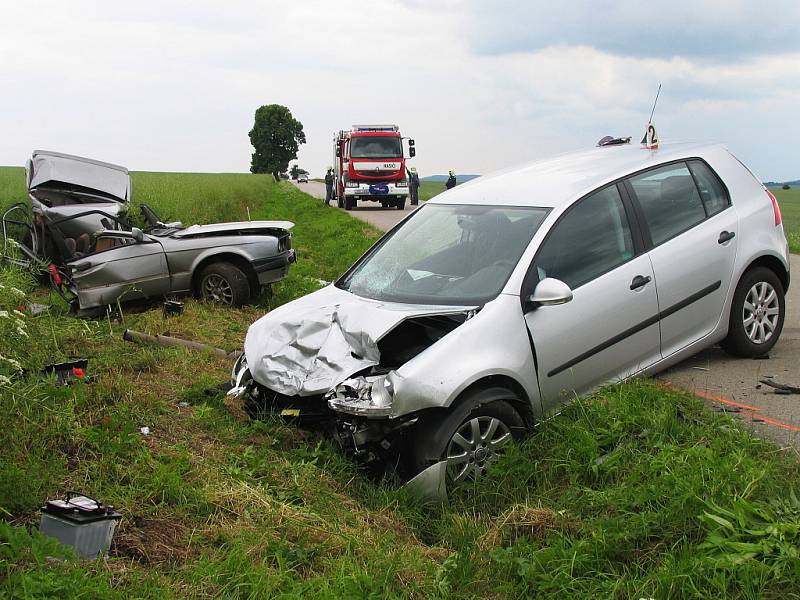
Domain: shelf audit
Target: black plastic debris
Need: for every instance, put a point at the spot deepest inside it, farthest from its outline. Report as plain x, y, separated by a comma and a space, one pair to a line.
612, 141
81, 522
173, 308
781, 388
69, 372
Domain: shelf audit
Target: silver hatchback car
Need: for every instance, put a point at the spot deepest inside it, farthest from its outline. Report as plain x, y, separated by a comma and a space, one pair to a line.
488, 307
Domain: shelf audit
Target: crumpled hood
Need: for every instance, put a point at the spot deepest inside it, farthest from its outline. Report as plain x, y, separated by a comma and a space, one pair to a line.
309, 346
53, 168
237, 226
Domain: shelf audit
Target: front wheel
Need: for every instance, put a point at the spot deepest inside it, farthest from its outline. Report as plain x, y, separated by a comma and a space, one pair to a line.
469, 438
401, 204
224, 283
757, 314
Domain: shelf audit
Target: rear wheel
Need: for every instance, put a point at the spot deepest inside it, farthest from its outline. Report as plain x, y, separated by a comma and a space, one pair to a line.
469, 438
757, 314
224, 283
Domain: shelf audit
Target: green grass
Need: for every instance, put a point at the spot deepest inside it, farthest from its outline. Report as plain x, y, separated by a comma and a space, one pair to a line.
635, 492
428, 189
789, 201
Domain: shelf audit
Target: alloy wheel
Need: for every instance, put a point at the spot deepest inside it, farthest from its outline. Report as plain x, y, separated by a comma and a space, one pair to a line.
474, 446
760, 312
217, 289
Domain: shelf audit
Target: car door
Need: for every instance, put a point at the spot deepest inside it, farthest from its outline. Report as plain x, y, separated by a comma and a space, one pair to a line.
609, 329
126, 271
690, 225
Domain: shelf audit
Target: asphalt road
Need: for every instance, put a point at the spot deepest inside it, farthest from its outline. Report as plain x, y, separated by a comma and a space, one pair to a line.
727, 383
371, 212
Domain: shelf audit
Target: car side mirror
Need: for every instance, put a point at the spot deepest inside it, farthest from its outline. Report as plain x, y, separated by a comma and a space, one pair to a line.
550, 292
338, 152
137, 234
412, 152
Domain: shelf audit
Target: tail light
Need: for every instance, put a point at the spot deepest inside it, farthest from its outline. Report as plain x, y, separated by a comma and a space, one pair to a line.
776, 209
54, 274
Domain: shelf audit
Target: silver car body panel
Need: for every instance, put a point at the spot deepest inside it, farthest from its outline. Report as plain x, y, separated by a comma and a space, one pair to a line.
309, 346
48, 171
47, 168
232, 227
607, 332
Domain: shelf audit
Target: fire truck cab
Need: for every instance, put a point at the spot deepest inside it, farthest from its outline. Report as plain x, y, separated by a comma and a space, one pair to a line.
370, 165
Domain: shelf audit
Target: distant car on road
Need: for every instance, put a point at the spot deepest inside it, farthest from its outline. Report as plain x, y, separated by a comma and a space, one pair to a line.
502, 298
302, 178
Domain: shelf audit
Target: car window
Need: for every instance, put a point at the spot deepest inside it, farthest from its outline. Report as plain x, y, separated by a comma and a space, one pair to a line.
712, 193
446, 254
593, 238
669, 201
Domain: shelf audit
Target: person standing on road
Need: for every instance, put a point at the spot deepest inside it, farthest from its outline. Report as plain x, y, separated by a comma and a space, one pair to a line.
413, 186
328, 186
451, 181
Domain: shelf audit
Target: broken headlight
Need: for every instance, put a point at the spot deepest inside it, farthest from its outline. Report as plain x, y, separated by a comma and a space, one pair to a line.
366, 396
240, 376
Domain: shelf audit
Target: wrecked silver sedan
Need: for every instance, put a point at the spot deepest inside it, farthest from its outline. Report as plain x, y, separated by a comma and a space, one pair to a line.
492, 304
76, 225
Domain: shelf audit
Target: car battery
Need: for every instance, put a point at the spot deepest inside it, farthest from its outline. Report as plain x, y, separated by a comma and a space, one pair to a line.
80, 522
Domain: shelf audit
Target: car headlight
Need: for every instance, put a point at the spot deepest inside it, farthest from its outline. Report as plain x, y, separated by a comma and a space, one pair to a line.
402, 183
240, 376
366, 396
351, 184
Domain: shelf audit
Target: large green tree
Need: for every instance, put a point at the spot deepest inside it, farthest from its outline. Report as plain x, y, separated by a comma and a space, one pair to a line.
276, 136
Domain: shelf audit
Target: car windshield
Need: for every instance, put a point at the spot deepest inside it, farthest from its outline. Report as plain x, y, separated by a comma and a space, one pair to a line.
446, 254
376, 147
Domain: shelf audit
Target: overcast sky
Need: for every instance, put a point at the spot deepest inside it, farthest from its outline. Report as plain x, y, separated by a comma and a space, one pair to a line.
172, 86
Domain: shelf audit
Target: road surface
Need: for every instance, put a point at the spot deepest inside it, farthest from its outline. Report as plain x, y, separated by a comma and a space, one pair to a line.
725, 382
371, 212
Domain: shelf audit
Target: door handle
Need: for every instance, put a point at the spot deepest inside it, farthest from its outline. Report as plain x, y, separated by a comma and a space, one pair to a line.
726, 236
640, 281
84, 266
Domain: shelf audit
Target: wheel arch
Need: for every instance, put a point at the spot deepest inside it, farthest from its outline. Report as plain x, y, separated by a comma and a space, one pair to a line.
236, 260
774, 264
518, 398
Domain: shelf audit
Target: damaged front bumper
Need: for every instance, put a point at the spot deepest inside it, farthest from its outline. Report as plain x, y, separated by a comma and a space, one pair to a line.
356, 413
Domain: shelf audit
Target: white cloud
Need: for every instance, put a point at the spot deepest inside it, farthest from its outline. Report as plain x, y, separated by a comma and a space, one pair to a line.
173, 86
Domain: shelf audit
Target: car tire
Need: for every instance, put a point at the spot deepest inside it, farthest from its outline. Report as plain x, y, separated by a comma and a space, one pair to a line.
348, 203
224, 283
757, 313
401, 204
496, 421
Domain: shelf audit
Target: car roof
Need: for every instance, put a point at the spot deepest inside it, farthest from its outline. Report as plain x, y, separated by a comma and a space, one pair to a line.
83, 159
561, 179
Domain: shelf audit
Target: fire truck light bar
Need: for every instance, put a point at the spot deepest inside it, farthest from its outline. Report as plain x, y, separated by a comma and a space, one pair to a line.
376, 128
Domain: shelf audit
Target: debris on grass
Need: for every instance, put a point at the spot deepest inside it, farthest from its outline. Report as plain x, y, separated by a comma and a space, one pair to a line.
522, 521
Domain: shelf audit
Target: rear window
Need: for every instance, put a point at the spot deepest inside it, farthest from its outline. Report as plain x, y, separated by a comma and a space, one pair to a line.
712, 193
669, 200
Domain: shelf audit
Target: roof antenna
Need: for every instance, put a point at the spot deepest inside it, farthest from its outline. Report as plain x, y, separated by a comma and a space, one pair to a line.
650, 139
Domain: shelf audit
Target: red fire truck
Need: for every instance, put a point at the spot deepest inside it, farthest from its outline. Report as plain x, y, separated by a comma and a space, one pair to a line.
369, 165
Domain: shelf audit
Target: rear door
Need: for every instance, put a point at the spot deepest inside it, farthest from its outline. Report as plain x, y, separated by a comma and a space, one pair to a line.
126, 272
691, 227
610, 328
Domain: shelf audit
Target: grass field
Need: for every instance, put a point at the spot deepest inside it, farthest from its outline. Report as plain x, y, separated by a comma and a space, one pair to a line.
635, 492
789, 201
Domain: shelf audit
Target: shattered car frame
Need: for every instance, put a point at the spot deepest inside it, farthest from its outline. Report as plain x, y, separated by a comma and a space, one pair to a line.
483, 311
75, 226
